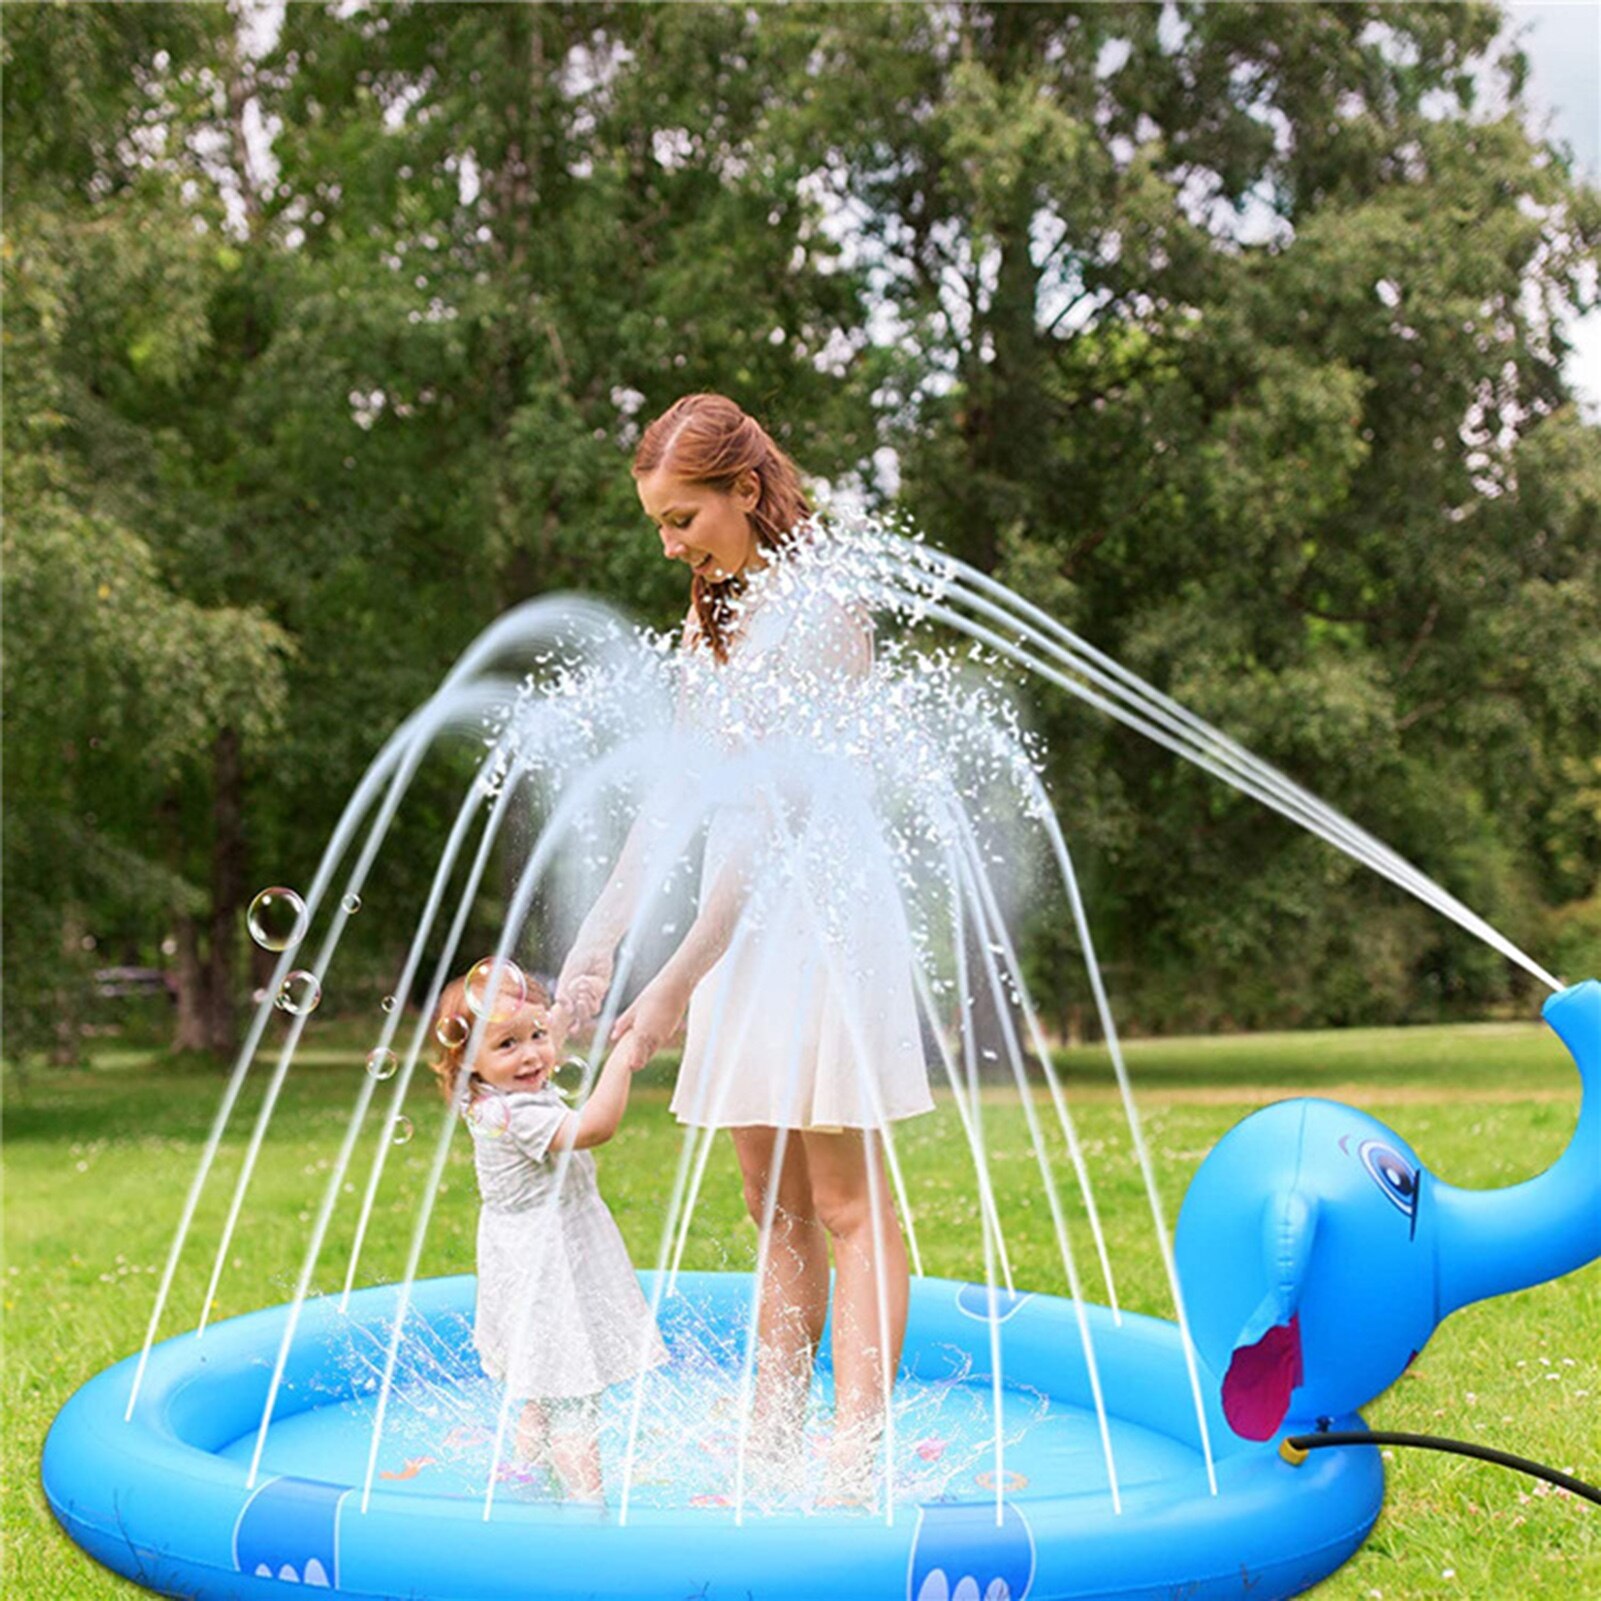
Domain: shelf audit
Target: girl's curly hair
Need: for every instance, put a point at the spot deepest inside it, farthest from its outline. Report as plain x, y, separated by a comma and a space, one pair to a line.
453, 1006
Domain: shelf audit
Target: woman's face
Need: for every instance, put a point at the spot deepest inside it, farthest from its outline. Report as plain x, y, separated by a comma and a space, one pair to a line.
706, 529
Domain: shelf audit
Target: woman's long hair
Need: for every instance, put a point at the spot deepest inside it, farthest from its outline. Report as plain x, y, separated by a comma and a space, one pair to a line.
708, 440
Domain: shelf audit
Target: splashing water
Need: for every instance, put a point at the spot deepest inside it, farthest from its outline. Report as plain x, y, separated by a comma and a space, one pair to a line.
880, 812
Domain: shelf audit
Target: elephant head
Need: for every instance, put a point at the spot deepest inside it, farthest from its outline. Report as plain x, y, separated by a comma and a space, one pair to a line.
1316, 1255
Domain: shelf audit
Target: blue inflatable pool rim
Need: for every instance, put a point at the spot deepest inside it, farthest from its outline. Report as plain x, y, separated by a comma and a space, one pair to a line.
164, 1498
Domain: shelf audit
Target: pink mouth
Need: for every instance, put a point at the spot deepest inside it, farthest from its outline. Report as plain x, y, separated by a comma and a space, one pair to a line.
1256, 1389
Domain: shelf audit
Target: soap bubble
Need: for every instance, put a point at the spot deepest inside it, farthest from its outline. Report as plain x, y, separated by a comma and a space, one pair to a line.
401, 1131
382, 1063
499, 1004
389, 1003
452, 1031
491, 1115
277, 919
351, 903
299, 993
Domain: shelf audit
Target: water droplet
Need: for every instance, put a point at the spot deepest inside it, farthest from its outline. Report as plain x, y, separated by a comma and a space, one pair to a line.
389, 1003
351, 903
277, 919
382, 1063
401, 1131
299, 993
498, 1001
491, 1116
452, 1031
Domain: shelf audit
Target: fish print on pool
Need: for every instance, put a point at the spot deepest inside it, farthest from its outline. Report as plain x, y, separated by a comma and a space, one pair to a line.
289, 1530
958, 1554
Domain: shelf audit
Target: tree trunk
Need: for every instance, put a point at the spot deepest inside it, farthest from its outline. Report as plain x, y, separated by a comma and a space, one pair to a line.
66, 1048
1073, 1026
190, 1032
227, 892
1005, 431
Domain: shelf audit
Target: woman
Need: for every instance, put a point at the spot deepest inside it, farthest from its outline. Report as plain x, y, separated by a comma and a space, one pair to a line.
728, 503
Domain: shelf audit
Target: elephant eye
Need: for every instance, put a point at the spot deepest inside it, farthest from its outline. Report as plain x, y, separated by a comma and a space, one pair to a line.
1392, 1173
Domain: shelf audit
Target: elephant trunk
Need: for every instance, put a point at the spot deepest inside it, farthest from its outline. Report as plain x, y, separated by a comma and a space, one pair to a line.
1491, 1242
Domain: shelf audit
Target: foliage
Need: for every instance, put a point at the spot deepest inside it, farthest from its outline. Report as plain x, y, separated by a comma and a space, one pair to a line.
117, 684
1238, 339
1227, 332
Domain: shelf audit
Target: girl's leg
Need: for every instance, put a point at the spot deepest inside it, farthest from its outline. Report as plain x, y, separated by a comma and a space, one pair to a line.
533, 1434
871, 1288
794, 1290
575, 1446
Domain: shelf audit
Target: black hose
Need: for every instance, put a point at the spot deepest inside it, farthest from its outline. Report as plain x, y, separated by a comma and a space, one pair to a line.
1434, 1442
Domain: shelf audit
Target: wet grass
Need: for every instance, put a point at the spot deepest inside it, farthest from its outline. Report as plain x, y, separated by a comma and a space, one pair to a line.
98, 1161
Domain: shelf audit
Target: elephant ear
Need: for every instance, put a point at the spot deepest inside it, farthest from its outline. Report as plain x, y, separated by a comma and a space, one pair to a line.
1266, 1366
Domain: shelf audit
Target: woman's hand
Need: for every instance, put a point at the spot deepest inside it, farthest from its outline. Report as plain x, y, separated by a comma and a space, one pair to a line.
651, 1022
585, 978
582, 1003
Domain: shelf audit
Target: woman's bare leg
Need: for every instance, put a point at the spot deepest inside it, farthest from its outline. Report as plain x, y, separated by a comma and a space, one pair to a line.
871, 1289
794, 1290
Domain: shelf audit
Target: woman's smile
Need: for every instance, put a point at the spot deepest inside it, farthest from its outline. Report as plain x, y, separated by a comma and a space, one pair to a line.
718, 522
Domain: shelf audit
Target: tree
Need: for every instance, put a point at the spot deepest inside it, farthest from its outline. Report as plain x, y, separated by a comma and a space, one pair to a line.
118, 688
1227, 330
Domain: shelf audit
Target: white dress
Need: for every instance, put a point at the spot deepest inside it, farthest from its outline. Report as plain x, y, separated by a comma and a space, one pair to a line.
559, 1312
809, 1019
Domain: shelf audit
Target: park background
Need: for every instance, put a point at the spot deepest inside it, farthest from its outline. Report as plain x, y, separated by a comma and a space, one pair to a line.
1237, 336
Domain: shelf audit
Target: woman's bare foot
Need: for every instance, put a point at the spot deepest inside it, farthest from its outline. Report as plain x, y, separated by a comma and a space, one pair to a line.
852, 1477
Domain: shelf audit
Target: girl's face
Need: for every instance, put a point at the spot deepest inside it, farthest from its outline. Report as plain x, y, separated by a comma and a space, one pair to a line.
706, 529
520, 1053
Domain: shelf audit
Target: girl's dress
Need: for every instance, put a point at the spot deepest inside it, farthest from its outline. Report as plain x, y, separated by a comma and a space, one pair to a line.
810, 1020
559, 1310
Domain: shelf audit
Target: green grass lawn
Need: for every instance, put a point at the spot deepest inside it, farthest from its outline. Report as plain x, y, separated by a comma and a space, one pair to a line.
97, 1163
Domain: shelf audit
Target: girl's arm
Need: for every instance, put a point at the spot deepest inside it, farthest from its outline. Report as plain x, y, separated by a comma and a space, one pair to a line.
596, 1120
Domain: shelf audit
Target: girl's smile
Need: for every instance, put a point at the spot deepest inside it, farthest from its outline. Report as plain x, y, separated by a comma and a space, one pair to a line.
518, 1053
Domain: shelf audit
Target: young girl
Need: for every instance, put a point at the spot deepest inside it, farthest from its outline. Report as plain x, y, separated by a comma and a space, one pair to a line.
559, 1313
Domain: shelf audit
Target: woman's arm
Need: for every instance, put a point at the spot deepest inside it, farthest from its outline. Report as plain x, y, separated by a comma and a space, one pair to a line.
657, 1012
595, 945
832, 649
